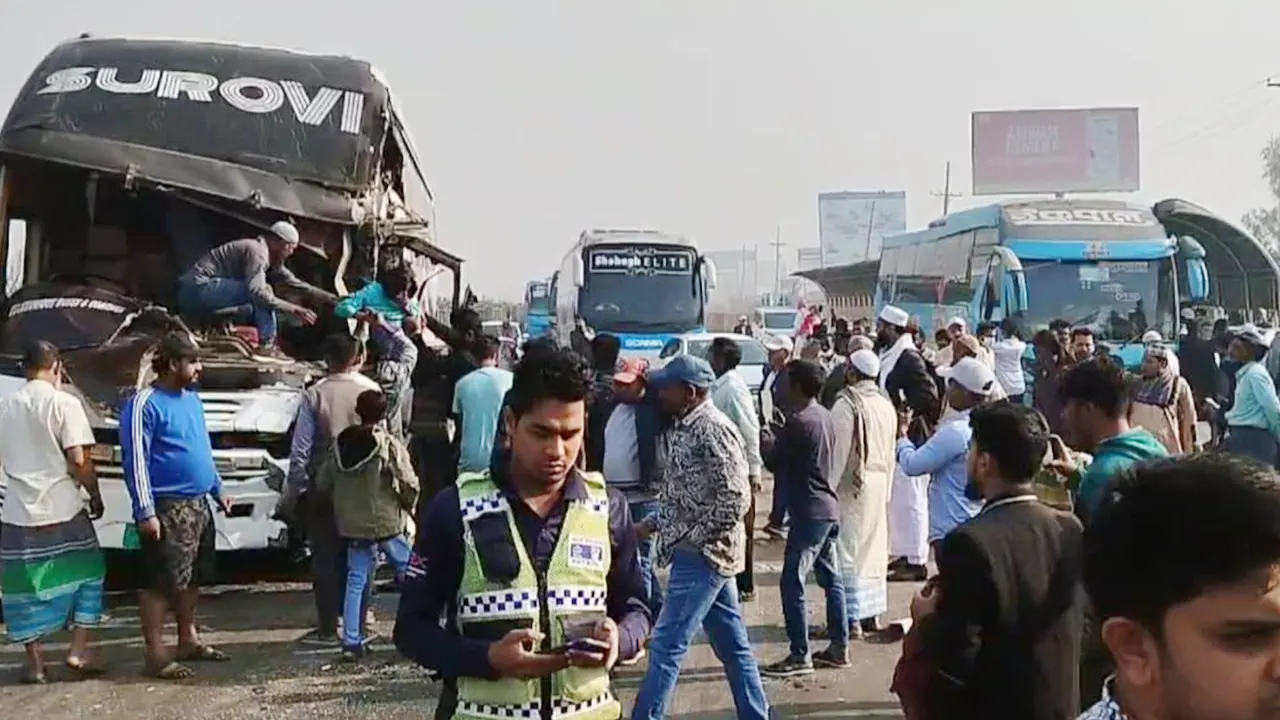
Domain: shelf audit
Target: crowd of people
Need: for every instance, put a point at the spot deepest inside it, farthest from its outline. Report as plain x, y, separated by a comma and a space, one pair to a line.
547, 496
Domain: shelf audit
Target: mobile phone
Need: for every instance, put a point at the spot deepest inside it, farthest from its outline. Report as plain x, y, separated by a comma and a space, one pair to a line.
586, 645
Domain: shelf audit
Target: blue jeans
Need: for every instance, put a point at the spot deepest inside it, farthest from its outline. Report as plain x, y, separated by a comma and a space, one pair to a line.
811, 544
699, 596
216, 294
362, 556
641, 509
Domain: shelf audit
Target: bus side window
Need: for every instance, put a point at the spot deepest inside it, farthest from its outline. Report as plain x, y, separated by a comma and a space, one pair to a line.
669, 349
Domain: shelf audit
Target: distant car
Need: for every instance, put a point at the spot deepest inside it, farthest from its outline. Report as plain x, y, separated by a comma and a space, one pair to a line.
777, 320
755, 358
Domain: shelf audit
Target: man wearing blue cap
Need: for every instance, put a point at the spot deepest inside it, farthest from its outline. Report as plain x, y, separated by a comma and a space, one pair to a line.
704, 494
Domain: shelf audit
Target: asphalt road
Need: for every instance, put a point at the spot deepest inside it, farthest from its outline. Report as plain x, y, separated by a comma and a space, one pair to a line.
272, 676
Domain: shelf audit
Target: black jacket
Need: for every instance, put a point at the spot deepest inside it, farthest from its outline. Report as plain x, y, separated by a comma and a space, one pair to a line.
910, 379
1004, 641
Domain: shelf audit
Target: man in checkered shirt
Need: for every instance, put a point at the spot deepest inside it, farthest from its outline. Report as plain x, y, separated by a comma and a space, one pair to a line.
703, 495
1182, 564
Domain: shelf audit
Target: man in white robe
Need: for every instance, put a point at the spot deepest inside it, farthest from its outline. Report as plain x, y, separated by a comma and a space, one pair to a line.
916, 392
866, 434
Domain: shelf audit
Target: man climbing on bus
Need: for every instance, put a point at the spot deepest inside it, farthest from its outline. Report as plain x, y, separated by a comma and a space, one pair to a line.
241, 273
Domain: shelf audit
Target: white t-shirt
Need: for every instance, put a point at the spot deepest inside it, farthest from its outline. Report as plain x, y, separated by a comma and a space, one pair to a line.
1008, 365
621, 447
39, 424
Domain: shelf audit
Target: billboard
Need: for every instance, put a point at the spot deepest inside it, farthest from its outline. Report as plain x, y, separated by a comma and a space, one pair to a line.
808, 259
1055, 151
852, 225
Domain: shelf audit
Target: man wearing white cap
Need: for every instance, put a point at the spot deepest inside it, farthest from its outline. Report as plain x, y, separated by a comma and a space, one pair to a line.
1152, 339
241, 273
945, 455
956, 327
865, 426
905, 377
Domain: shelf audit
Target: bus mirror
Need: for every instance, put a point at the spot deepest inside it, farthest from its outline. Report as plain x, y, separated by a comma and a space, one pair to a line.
1010, 261
15, 246
709, 272
1189, 248
1197, 280
579, 273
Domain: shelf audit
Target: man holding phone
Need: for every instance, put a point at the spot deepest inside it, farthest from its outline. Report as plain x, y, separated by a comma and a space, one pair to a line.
534, 564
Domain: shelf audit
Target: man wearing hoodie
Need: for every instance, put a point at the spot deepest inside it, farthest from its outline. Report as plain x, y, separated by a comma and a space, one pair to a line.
370, 476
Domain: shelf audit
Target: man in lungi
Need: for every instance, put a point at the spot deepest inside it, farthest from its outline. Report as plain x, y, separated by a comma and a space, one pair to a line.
51, 569
171, 477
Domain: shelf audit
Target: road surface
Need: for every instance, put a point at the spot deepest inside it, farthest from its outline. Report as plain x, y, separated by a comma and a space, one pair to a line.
273, 676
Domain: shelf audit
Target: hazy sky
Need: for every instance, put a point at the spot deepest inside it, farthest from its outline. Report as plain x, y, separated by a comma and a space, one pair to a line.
723, 118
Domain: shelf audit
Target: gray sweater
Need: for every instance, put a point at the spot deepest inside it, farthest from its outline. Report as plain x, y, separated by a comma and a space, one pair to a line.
249, 261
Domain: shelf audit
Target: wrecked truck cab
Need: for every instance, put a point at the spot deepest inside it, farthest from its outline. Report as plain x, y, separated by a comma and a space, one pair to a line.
122, 161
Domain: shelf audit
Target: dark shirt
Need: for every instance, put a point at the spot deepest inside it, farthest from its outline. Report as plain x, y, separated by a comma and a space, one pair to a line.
435, 573
801, 462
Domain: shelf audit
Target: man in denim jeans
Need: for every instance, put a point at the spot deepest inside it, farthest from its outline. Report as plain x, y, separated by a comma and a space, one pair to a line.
703, 495
628, 457
802, 462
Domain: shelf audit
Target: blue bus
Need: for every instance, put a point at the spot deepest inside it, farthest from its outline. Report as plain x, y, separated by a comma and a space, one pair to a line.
538, 308
644, 286
1107, 265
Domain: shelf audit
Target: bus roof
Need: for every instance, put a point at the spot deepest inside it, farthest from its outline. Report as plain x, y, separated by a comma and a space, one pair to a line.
996, 215
293, 132
603, 237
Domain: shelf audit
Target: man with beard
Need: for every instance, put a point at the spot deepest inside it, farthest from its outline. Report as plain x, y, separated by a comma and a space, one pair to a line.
1180, 563
905, 377
170, 475
1000, 624
533, 563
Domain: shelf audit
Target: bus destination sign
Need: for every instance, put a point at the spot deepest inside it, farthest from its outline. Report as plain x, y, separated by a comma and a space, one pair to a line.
641, 261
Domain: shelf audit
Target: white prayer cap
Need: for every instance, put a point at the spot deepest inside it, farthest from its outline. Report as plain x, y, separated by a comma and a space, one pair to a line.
285, 230
895, 316
866, 362
957, 322
973, 375
861, 342
1151, 336
1188, 313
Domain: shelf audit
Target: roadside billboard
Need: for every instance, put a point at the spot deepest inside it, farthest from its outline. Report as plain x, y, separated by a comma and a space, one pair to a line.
808, 258
852, 225
1055, 151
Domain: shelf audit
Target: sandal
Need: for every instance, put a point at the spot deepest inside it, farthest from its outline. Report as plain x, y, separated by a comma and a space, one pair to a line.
32, 678
85, 670
171, 671
203, 653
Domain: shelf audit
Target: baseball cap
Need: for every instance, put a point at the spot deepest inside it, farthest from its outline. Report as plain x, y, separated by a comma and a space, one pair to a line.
685, 369
177, 346
629, 370
285, 230
778, 342
1250, 334
972, 375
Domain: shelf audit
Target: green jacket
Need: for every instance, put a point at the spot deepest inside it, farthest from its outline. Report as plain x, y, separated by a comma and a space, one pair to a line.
372, 482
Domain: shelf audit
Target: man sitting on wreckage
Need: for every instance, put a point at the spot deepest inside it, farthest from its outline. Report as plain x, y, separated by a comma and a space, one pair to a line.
240, 273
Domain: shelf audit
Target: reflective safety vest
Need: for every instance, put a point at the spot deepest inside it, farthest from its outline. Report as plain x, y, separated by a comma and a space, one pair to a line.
501, 591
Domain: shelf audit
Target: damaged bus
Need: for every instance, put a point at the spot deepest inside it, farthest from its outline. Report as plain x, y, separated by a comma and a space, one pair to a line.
122, 161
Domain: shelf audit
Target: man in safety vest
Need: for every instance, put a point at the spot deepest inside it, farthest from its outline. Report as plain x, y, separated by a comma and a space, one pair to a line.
534, 564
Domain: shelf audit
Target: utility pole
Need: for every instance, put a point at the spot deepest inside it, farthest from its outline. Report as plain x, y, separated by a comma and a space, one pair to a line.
946, 193
777, 262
